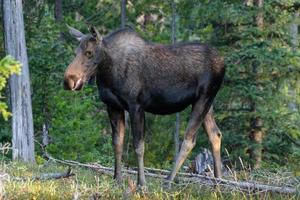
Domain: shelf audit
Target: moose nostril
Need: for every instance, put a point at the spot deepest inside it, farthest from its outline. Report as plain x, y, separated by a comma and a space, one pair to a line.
67, 84
73, 82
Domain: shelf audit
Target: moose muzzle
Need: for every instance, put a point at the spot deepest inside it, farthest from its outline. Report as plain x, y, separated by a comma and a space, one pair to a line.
73, 82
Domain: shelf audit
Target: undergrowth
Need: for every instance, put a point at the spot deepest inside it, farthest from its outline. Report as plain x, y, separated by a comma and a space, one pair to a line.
16, 182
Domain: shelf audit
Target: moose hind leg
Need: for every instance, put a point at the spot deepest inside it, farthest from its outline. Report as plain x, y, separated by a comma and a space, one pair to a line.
137, 118
117, 121
214, 136
199, 111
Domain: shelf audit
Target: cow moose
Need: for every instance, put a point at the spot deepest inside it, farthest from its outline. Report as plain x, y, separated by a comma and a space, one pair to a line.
138, 76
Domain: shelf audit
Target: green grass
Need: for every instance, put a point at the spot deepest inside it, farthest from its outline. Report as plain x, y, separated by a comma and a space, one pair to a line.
87, 184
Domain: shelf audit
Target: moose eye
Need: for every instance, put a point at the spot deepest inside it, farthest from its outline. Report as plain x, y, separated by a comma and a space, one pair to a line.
88, 54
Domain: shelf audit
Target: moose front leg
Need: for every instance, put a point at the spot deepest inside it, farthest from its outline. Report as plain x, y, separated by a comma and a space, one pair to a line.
118, 128
214, 135
137, 119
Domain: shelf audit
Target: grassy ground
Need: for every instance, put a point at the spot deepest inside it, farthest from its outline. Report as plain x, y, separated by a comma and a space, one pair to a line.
86, 184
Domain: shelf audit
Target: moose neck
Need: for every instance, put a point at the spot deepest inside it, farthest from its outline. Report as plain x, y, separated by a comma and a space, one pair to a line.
104, 68
116, 49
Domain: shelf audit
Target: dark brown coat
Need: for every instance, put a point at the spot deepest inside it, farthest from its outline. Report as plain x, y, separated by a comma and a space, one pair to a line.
139, 76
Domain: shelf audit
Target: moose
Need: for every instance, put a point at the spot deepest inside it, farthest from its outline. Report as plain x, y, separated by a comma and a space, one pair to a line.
138, 76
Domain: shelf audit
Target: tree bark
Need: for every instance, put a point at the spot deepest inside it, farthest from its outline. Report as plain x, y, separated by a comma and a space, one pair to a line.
249, 2
256, 136
15, 45
260, 14
294, 31
293, 106
256, 133
58, 11
177, 123
58, 15
127, 122
45, 135
78, 17
176, 135
123, 13
173, 5
295, 43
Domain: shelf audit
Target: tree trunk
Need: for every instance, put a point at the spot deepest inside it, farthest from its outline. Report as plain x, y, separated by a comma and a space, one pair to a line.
294, 31
15, 45
173, 5
177, 123
260, 14
127, 129
123, 13
127, 122
58, 11
256, 133
249, 2
78, 17
176, 134
45, 135
295, 43
256, 136
58, 15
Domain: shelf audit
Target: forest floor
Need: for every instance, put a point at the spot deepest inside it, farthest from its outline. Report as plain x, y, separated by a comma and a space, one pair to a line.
17, 182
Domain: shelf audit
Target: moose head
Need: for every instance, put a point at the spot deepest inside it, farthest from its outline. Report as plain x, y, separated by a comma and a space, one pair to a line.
89, 54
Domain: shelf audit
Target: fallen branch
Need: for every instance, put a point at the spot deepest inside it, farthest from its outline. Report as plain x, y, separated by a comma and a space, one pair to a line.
49, 176
186, 177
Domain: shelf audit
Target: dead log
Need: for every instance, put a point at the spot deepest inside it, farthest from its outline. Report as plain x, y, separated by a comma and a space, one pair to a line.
50, 176
43, 177
187, 177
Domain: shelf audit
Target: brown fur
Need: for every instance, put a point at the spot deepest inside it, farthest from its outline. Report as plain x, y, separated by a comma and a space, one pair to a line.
139, 76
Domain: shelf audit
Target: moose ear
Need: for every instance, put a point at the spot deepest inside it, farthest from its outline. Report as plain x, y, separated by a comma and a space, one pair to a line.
96, 34
75, 33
